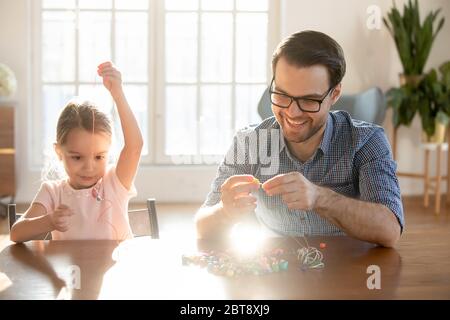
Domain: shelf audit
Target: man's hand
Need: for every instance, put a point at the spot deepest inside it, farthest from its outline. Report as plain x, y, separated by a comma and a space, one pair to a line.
295, 190
112, 78
60, 218
236, 195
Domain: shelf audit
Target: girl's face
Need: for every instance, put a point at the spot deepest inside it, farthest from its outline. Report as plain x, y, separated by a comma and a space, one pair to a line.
84, 156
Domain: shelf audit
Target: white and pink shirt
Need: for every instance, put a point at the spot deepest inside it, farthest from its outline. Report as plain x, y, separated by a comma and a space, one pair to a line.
100, 212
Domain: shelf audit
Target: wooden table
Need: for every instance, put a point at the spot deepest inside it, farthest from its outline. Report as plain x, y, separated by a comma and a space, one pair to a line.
152, 269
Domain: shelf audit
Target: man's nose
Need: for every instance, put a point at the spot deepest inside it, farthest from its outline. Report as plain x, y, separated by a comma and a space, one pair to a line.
294, 110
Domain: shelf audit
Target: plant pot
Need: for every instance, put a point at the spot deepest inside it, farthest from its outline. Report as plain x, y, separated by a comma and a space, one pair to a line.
411, 79
439, 134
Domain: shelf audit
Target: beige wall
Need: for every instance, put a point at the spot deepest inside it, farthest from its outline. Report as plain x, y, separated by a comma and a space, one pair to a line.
15, 52
371, 59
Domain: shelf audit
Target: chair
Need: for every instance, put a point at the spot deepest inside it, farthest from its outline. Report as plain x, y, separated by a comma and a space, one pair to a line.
138, 224
369, 105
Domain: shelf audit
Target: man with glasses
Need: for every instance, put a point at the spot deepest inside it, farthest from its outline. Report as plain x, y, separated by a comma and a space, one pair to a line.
335, 175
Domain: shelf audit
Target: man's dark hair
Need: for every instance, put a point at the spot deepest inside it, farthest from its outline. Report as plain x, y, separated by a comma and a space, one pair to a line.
308, 48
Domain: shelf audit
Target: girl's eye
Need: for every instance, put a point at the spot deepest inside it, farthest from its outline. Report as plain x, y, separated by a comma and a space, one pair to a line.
76, 157
100, 157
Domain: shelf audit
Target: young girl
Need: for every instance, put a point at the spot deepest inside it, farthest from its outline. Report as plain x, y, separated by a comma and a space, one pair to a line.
92, 203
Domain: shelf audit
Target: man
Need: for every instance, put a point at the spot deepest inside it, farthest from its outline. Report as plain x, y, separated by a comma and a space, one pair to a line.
335, 175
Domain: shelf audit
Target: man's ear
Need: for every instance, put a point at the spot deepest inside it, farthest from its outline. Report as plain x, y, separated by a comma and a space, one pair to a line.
57, 150
336, 94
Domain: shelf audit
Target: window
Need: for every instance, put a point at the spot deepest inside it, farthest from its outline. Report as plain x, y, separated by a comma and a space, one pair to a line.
76, 35
210, 71
215, 72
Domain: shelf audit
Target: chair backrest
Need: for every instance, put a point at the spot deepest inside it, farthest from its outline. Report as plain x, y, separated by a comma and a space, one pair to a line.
136, 220
13, 216
146, 224
369, 105
264, 105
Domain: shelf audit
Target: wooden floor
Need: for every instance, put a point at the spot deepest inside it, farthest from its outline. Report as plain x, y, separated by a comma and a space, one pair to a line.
423, 227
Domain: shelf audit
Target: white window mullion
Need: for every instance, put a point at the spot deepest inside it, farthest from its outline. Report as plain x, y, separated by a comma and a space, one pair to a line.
199, 80
151, 88
115, 116
113, 31
77, 44
35, 122
159, 83
273, 33
233, 71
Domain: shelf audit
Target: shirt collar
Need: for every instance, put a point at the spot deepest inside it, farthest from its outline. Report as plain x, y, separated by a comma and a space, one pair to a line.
328, 134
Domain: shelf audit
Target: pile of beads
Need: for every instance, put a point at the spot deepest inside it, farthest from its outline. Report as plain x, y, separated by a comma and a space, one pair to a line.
225, 264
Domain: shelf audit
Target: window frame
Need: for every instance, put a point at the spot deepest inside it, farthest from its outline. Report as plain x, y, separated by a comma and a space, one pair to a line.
272, 40
155, 79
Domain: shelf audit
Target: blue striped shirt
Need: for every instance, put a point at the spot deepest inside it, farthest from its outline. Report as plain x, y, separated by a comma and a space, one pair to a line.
354, 159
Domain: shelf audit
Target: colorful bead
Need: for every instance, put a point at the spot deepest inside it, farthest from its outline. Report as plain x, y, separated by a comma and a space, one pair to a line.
225, 264
284, 265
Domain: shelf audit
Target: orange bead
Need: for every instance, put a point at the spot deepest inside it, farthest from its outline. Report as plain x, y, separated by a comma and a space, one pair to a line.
323, 245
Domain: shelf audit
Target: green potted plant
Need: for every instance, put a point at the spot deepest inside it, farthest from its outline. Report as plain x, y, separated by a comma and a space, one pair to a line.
404, 102
434, 106
430, 98
414, 41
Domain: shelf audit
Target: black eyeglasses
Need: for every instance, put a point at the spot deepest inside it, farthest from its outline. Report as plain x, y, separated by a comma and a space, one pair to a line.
283, 100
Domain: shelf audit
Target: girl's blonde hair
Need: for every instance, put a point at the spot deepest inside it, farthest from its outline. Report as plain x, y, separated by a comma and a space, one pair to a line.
83, 115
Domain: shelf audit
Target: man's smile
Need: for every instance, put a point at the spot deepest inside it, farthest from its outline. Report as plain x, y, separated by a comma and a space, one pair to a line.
295, 123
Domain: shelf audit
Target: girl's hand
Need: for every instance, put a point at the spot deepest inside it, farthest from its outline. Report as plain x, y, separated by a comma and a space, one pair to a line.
112, 78
60, 218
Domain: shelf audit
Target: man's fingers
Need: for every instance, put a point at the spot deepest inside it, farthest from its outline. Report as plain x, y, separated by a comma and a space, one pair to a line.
248, 208
291, 197
279, 180
244, 188
283, 189
298, 205
236, 179
244, 201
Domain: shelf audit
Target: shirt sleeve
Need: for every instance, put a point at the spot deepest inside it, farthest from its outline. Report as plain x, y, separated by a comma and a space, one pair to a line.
117, 187
378, 181
45, 196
